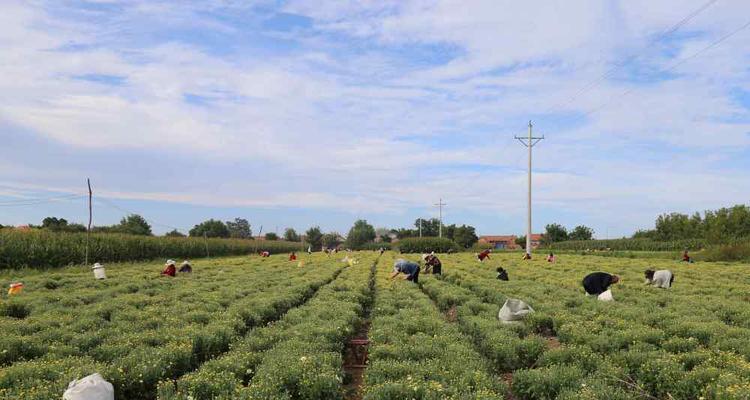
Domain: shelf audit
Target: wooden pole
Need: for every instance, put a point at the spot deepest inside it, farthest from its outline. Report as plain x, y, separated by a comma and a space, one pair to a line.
88, 229
257, 240
205, 239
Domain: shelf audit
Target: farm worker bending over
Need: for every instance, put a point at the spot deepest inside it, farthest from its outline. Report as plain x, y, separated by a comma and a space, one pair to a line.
408, 268
526, 256
485, 255
432, 262
502, 274
598, 282
186, 267
265, 254
551, 258
169, 268
661, 279
292, 257
309, 249
686, 257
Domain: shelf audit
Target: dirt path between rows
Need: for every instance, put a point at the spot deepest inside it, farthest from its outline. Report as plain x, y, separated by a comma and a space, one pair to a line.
355, 363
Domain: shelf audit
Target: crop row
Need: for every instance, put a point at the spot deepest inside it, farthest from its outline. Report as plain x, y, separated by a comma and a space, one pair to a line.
416, 354
44, 249
168, 327
686, 342
298, 357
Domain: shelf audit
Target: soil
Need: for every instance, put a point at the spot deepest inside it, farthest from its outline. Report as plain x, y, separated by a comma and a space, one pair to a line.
508, 379
553, 342
452, 314
355, 363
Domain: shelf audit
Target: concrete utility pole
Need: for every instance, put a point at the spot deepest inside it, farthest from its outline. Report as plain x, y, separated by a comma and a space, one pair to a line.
529, 142
420, 227
440, 204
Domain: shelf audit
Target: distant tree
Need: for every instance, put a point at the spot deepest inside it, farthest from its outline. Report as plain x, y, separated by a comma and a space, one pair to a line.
405, 233
61, 225
449, 231
359, 234
644, 234
521, 241
211, 228
174, 233
1, 226
315, 237
581, 232
291, 235
555, 233
383, 234
430, 227
272, 236
134, 224
239, 228
465, 236
331, 240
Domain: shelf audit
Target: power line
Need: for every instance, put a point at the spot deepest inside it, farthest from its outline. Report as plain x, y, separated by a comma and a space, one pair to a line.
672, 67
38, 201
595, 82
129, 212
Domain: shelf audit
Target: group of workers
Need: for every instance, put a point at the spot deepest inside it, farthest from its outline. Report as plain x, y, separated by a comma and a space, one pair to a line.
170, 268
593, 284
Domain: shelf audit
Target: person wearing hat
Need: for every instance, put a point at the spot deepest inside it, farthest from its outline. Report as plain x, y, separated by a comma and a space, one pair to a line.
292, 257
431, 262
408, 268
169, 268
186, 267
598, 282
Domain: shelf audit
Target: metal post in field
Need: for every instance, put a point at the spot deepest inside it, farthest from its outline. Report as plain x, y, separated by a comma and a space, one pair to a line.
529, 142
440, 205
88, 229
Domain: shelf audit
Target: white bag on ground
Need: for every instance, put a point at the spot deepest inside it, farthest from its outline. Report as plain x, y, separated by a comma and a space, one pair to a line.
606, 296
92, 387
514, 310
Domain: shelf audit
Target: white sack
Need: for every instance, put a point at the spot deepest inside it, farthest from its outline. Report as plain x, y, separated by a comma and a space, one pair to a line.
514, 310
92, 387
606, 296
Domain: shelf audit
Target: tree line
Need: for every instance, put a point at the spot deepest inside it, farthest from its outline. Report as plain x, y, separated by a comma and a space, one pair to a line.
715, 226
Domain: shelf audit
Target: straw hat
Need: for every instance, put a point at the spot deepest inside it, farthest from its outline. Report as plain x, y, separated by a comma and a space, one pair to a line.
170, 262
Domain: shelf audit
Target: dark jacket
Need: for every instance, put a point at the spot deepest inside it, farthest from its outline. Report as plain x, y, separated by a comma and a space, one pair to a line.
597, 283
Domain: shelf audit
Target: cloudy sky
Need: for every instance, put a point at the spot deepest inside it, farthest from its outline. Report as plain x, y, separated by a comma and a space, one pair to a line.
299, 113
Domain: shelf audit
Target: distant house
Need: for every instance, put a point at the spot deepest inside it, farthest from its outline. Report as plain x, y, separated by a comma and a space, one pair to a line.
508, 242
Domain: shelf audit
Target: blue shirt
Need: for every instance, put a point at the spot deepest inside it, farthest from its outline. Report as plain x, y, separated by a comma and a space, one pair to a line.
406, 267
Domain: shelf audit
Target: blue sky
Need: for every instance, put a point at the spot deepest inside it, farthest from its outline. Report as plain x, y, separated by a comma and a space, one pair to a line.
300, 113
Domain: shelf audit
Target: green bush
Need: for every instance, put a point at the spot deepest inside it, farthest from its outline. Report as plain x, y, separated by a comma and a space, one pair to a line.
45, 249
426, 245
629, 244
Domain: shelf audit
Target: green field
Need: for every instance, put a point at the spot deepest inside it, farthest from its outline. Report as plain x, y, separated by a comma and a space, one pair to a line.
253, 328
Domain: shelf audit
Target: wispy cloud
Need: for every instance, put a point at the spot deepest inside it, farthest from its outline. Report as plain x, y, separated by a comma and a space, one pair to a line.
379, 107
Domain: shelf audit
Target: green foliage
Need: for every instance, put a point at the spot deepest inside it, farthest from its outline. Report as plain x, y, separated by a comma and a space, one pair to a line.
138, 329
359, 234
426, 245
730, 252
61, 225
314, 237
629, 244
290, 235
581, 232
174, 233
134, 224
555, 233
465, 236
45, 249
331, 240
272, 236
239, 229
719, 226
211, 228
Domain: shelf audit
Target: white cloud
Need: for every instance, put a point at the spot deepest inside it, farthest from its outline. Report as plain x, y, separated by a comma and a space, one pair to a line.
359, 108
